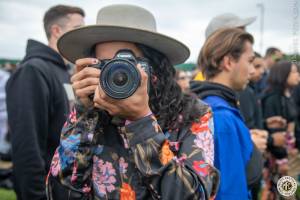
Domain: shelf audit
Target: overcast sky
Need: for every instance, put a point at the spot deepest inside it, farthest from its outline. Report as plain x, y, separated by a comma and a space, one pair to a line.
184, 20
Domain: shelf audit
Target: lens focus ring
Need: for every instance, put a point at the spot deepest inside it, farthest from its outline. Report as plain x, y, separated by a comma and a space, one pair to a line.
120, 78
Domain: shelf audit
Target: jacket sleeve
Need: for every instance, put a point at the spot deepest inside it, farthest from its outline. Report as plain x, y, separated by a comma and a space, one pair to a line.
175, 170
27, 107
232, 153
271, 107
72, 161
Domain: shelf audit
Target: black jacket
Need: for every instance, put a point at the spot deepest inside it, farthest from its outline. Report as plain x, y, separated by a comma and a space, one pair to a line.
37, 106
250, 108
276, 104
296, 97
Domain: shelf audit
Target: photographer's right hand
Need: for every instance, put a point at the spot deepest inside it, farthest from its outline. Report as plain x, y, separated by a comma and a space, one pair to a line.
85, 80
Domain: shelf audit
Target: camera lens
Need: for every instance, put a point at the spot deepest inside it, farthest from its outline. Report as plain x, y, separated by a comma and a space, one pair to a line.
120, 78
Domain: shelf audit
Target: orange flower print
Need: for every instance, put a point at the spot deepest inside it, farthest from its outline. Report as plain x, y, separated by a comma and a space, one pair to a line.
201, 167
205, 118
202, 125
126, 192
198, 127
166, 154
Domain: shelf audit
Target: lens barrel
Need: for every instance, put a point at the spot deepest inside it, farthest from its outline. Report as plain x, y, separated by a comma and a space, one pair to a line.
120, 78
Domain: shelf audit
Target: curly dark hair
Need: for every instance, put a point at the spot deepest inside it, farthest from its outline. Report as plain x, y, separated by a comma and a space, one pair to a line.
169, 104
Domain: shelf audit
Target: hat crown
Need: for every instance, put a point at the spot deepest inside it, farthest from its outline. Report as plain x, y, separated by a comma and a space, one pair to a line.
121, 22
129, 16
226, 20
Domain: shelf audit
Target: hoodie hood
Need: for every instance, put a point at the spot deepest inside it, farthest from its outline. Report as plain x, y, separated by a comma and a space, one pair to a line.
36, 49
205, 89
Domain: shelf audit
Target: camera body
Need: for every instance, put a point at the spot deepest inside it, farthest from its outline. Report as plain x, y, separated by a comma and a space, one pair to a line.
120, 77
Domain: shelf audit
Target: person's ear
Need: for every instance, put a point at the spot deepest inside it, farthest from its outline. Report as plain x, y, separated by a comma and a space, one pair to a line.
55, 31
227, 63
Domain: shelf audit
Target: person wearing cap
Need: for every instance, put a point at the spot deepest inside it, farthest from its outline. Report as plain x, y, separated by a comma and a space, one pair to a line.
37, 103
226, 20
227, 67
229, 20
156, 145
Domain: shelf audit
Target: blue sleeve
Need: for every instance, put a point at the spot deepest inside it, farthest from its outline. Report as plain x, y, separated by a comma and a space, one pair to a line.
229, 158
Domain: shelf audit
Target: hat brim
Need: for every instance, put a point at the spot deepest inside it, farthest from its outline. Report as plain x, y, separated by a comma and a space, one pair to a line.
78, 43
245, 22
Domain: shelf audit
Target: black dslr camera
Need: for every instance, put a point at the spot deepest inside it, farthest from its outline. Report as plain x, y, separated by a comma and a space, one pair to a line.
119, 76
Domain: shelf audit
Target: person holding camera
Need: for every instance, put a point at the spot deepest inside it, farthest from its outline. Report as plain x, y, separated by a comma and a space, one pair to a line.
132, 134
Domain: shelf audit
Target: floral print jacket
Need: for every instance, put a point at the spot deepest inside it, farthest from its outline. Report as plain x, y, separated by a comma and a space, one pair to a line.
133, 161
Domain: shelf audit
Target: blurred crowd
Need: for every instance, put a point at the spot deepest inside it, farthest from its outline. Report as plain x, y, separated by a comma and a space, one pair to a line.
269, 106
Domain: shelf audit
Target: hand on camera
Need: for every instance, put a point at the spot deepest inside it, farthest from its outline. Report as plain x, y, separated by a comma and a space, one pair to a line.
85, 80
131, 108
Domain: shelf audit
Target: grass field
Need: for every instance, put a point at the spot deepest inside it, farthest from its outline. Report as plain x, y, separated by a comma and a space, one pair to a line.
7, 195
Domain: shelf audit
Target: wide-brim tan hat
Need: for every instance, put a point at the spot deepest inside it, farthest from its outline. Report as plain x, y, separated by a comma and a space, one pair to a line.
121, 23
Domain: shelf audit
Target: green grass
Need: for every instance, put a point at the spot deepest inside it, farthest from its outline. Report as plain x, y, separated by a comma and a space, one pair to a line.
7, 194
298, 192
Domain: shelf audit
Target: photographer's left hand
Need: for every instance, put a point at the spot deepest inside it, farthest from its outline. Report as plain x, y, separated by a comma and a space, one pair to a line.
132, 108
